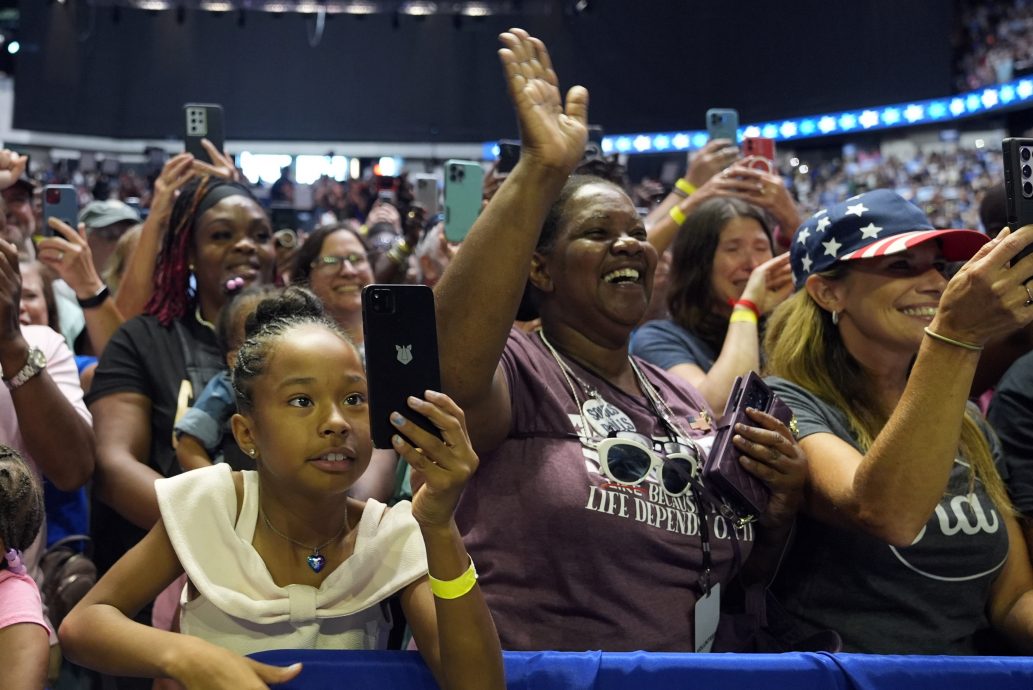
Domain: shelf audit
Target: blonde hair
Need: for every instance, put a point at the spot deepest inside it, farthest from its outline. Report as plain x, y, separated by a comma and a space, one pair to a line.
803, 346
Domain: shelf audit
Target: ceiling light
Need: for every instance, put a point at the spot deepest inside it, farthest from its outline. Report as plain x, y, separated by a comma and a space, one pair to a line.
476, 9
360, 8
217, 6
418, 8
152, 5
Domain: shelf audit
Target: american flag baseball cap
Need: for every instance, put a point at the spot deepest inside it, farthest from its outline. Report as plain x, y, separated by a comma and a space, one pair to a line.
872, 224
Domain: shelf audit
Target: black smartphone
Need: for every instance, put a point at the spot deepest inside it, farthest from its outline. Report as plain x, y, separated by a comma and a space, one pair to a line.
1018, 185
202, 121
401, 342
509, 155
62, 202
594, 144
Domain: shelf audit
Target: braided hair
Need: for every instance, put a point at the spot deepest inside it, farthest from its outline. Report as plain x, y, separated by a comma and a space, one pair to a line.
172, 294
271, 320
21, 502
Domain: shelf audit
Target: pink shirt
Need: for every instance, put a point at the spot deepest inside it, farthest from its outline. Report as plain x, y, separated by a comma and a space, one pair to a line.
20, 601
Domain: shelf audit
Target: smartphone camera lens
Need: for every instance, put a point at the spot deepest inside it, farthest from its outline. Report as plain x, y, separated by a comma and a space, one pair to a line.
53, 196
1027, 189
1024, 153
382, 301
1027, 171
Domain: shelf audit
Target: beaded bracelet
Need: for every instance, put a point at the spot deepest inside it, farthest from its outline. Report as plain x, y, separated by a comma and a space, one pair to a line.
453, 589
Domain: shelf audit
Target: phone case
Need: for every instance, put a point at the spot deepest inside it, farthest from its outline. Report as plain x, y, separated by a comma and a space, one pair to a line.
761, 147
464, 190
425, 193
723, 123
202, 121
62, 202
722, 471
1018, 185
401, 342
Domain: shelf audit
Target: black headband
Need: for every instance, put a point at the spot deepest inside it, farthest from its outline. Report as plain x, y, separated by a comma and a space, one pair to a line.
217, 192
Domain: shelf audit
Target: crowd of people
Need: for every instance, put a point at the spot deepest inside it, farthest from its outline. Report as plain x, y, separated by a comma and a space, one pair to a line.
207, 384
994, 42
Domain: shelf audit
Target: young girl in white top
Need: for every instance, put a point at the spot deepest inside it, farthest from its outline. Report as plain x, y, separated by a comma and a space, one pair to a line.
282, 558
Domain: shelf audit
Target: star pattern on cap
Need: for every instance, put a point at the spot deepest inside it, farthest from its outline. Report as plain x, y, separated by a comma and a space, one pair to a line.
803, 235
806, 262
822, 224
831, 247
870, 231
856, 209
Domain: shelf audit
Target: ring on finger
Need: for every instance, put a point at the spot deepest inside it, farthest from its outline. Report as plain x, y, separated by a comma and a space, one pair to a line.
774, 453
60, 256
1029, 295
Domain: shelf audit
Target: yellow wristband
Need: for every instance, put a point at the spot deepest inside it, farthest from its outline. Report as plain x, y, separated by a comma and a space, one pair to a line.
743, 314
453, 589
678, 216
685, 186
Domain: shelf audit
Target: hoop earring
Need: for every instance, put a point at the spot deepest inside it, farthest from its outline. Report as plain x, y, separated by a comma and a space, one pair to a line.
835, 318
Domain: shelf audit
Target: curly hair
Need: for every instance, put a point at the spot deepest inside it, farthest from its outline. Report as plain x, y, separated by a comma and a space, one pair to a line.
313, 244
271, 320
21, 501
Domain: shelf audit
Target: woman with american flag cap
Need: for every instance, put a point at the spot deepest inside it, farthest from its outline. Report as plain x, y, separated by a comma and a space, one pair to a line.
908, 542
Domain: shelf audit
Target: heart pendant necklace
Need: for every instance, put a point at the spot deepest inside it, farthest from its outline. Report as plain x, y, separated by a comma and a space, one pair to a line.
315, 560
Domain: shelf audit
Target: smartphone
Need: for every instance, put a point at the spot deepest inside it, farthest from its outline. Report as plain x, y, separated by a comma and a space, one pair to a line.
464, 190
744, 492
509, 155
202, 121
723, 123
60, 201
1018, 185
425, 192
386, 188
401, 343
761, 148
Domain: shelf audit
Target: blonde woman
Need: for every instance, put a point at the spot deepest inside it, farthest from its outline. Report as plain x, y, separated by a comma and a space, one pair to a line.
908, 543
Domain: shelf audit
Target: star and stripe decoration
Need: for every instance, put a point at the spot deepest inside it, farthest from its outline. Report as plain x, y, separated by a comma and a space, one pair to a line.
869, 225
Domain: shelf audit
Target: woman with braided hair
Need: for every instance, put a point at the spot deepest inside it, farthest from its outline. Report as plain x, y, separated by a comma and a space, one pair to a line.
219, 240
24, 634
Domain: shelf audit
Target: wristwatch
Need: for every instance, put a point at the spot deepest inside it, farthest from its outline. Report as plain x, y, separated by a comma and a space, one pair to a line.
37, 360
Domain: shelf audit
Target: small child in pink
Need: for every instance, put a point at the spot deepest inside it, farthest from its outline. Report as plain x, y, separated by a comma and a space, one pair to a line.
24, 633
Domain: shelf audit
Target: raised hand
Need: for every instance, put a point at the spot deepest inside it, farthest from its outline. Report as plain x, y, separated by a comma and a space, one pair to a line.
221, 165
714, 157
12, 166
989, 296
174, 174
441, 467
771, 454
552, 135
69, 254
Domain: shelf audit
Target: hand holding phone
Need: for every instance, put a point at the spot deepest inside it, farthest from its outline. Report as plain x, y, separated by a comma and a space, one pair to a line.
401, 344
760, 152
744, 492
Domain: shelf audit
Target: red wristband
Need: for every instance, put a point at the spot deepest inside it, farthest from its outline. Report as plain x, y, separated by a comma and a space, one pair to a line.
749, 304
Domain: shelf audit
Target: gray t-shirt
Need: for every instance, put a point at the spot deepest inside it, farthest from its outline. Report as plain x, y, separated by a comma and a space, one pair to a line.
927, 598
666, 344
1011, 414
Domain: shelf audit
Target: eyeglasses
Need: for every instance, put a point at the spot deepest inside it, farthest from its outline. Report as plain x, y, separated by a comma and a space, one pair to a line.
332, 264
627, 458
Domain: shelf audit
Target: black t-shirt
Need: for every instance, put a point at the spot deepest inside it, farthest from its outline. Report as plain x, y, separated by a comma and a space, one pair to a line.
147, 358
1011, 414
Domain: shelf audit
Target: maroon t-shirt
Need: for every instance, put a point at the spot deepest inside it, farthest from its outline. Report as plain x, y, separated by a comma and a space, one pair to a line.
568, 560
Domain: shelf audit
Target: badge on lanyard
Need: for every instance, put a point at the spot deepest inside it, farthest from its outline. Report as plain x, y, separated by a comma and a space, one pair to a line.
604, 417
707, 615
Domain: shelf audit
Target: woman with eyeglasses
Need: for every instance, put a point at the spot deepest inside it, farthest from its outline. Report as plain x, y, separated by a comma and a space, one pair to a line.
587, 525
334, 264
908, 542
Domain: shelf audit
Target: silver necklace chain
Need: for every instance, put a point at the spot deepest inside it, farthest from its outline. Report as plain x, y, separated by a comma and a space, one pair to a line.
315, 550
